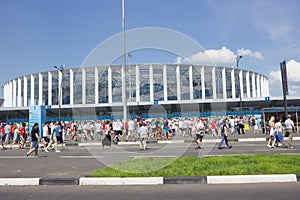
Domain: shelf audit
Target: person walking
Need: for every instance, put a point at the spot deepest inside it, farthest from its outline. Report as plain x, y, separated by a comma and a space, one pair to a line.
199, 133
272, 131
143, 134
16, 138
35, 140
53, 138
289, 126
3, 136
224, 134
131, 130
46, 135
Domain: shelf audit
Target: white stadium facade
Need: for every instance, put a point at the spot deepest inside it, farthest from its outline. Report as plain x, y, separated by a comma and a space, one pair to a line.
172, 89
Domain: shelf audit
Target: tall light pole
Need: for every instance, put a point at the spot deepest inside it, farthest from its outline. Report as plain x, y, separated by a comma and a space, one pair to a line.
238, 58
124, 98
129, 76
61, 70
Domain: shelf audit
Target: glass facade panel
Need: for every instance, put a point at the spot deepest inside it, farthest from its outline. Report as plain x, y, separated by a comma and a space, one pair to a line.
36, 89
55, 92
28, 90
22, 92
66, 87
158, 82
251, 85
228, 83
77, 86
244, 84
116, 72
219, 83
144, 83
237, 83
45, 88
102, 85
184, 83
130, 83
90, 85
172, 82
197, 84
208, 82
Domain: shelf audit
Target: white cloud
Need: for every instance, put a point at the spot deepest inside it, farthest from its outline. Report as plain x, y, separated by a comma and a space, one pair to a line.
293, 77
219, 57
247, 52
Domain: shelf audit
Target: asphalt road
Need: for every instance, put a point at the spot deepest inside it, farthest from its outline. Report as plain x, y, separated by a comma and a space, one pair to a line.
272, 191
75, 161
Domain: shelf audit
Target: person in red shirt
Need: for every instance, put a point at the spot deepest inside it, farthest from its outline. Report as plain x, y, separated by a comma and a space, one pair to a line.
2, 135
213, 129
23, 136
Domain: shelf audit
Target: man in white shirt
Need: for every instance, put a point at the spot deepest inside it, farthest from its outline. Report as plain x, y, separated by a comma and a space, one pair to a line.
289, 125
199, 133
46, 135
131, 129
143, 134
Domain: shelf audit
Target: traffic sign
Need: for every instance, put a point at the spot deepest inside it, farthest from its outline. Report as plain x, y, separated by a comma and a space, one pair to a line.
267, 98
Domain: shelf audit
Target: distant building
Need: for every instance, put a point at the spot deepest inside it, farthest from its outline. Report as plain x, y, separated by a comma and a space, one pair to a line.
100, 88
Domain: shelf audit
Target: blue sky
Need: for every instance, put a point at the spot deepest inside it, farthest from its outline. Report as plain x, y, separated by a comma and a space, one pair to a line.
38, 34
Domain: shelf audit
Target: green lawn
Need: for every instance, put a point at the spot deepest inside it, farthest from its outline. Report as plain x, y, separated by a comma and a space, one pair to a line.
207, 166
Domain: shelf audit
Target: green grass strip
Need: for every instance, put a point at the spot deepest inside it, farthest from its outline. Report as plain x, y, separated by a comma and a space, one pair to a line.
207, 166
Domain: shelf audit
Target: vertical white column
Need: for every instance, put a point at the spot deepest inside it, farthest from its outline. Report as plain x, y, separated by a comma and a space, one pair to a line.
4, 94
96, 85
267, 87
32, 90
109, 76
25, 104
40, 89
191, 82
151, 83
10, 94
178, 83
71, 87
14, 94
202, 82
233, 92
263, 90
241, 84
224, 83
49, 88
165, 83
83, 86
253, 86
19, 92
248, 84
137, 83
214, 82
59, 88
258, 86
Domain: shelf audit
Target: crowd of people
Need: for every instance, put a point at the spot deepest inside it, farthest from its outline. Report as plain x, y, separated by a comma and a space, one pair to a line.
53, 134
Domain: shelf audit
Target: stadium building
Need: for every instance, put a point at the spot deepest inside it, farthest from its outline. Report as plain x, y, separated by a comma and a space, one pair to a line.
97, 91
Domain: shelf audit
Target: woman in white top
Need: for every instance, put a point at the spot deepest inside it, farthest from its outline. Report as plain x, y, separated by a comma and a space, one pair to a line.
272, 130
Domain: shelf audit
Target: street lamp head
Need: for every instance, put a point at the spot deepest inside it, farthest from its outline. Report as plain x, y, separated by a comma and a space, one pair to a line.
238, 60
61, 68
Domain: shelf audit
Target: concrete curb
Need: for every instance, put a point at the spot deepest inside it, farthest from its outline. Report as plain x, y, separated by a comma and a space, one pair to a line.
186, 180
278, 178
59, 181
281, 178
122, 181
19, 181
259, 139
